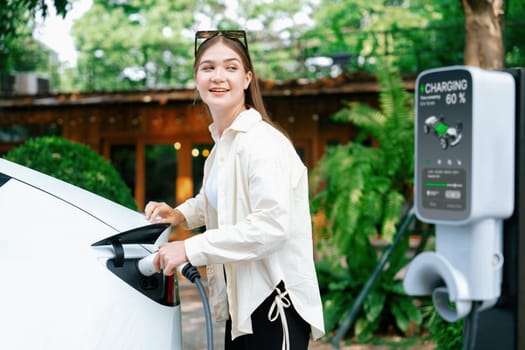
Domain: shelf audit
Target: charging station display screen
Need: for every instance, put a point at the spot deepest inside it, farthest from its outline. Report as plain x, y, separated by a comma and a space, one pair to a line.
443, 144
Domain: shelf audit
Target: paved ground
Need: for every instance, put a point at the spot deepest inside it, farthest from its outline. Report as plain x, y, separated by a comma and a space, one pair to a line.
194, 322
194, 326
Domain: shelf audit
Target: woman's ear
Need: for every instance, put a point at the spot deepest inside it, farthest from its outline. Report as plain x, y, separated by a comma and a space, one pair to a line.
248, 79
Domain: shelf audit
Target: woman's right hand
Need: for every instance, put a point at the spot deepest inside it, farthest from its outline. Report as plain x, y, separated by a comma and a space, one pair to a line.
160, 212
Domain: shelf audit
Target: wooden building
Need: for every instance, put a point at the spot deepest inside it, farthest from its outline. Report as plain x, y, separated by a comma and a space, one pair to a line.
158, 139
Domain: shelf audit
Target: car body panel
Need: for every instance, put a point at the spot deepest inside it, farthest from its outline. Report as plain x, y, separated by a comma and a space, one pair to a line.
57, 292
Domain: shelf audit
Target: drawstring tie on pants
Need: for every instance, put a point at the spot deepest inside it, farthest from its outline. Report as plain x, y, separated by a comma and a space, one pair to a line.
281, 301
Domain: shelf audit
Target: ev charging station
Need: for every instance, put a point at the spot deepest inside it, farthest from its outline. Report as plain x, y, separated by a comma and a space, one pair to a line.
469, 182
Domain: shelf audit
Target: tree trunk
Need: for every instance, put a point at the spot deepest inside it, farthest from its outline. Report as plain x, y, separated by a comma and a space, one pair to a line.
483, 33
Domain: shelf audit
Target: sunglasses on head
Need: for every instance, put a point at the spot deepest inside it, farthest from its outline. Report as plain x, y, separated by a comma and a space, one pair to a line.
204, 35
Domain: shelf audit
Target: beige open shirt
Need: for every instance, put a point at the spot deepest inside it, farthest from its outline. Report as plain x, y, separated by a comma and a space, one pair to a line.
261, 232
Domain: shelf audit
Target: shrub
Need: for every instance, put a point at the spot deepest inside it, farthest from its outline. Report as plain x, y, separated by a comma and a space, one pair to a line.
74, 163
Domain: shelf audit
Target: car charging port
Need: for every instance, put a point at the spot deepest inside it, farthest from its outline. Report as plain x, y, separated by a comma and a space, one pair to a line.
156, 286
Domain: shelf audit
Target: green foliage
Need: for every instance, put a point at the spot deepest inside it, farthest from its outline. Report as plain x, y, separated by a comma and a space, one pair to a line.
15, 12
364, 187
447, 336
361, 191
74, 163
387, 304
17, 47
26, 54
275, 47
417, 35
513, 39
135, 44
149, 44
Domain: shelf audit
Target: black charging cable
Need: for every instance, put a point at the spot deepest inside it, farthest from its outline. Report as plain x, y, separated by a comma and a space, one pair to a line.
470, 327
191, 273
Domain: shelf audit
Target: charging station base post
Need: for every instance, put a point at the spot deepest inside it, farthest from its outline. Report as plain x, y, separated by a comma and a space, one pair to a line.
503, 326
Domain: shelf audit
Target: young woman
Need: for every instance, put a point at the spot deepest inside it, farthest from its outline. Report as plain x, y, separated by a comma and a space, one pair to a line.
254, 204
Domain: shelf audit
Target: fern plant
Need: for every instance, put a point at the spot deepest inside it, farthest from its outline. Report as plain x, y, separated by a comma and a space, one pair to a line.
360, 190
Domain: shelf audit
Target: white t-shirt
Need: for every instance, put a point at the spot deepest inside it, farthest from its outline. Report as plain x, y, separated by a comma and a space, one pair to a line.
211, 186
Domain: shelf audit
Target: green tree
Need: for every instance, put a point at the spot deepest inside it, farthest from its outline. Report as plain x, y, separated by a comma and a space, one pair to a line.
276, 29
16, 22
136, 44
417, 34
26, 54
149, 44
367, 30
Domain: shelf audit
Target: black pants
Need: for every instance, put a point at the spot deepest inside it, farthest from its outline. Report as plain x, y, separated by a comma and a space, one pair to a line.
268, 335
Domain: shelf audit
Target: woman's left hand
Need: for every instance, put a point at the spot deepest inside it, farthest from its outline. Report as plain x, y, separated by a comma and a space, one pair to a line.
170, 256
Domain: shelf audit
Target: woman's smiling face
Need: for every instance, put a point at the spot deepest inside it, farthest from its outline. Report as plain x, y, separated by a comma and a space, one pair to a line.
221, 78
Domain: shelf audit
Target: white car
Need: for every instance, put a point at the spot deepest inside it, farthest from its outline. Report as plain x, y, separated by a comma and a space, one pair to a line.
68, 261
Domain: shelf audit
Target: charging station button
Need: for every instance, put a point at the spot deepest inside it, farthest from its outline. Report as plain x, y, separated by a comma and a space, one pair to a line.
452, 194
